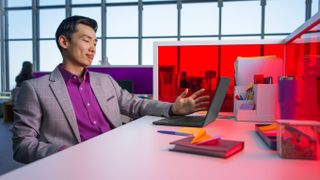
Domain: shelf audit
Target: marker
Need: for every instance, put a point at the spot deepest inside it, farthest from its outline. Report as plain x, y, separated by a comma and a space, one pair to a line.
174, 133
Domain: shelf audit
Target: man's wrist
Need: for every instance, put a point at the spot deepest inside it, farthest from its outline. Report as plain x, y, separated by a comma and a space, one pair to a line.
170, 111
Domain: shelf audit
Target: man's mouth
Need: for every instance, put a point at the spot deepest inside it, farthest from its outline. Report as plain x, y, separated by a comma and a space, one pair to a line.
90, 56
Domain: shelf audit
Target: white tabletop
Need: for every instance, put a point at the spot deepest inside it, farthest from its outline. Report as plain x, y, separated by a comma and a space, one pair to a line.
137, 151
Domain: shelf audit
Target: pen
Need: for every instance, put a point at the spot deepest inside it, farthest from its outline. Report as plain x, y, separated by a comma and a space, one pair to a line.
174, 133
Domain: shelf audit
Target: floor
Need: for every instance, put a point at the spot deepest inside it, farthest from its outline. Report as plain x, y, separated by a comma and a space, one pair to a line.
6, 161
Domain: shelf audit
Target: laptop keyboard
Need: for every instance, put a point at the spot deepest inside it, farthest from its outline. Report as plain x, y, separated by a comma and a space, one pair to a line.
187, 118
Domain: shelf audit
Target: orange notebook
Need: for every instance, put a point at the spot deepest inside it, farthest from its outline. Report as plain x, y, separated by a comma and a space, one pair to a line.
223, 149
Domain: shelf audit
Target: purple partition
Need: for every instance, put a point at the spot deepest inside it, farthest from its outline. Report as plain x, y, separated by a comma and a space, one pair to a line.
141, 76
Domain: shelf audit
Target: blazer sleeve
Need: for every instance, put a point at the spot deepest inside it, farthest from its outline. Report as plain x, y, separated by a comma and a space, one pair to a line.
135, 107
27, 146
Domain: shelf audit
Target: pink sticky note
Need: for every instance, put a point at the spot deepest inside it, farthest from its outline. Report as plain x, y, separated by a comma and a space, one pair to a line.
210, 141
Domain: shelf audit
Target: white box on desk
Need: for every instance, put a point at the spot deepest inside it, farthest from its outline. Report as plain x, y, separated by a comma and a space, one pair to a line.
265, 99
246, 68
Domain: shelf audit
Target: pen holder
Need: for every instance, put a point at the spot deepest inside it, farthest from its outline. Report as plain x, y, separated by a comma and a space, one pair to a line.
298, 139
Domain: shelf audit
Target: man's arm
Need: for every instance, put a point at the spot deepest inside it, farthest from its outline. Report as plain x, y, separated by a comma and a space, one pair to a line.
135, 107
27, 146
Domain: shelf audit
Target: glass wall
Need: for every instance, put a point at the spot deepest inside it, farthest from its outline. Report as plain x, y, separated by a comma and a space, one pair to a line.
200, 19
237, 19
128, 28
122, 35
20, 40
277, 19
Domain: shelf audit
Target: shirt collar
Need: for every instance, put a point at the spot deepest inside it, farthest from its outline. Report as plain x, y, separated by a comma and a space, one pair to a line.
67, 76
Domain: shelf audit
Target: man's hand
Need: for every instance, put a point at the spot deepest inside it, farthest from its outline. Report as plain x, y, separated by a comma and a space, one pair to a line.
191, 104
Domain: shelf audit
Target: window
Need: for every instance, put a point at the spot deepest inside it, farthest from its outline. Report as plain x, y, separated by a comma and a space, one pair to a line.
118, 1
147, 49
19, 3
315, 7
50, 55
200, 19
91, 12
50, 2
241, 38
122, 21
19, 51
200, 39
122, 51
20, 24
54, 16
86, 1
277, 19
97, 58
160, 20
281, 37
238, 19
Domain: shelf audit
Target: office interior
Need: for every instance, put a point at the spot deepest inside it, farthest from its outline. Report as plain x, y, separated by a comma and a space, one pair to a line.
157, 48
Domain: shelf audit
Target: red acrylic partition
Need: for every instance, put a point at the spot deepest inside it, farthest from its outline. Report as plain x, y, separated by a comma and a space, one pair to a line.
200, 66
303, 60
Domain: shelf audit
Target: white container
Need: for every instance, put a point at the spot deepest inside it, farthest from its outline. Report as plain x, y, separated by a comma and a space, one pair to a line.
265, 100
246, 68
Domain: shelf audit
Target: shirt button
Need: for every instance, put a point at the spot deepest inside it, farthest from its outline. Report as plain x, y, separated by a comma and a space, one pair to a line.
88, 104
81, 89
94, 122
74, 77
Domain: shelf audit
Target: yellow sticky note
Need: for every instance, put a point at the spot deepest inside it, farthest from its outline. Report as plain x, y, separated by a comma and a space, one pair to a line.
190, 130
201, 136
268, 127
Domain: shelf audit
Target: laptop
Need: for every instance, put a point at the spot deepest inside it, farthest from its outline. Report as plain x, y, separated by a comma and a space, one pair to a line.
200, 121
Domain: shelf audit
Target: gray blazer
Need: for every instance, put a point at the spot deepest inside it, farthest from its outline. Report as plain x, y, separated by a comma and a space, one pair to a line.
44, 118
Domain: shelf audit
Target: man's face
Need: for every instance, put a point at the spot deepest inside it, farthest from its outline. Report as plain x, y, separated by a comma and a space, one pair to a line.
80, 50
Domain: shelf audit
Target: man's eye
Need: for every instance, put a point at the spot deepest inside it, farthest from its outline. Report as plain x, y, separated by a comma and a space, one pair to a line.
85, 40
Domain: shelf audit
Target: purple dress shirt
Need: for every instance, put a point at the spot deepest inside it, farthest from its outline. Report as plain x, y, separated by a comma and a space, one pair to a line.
90, 118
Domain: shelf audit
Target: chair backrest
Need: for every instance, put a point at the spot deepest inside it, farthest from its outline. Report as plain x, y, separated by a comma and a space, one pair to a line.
126, 84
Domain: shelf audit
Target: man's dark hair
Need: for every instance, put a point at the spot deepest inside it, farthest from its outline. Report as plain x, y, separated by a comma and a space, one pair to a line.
69, 26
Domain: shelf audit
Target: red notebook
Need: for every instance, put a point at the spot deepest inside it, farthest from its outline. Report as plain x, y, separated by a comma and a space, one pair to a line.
223, 149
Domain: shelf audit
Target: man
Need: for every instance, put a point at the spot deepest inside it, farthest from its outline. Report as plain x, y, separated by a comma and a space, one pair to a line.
72, 105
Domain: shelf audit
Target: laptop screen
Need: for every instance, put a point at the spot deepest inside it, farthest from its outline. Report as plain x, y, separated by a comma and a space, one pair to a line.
217, 99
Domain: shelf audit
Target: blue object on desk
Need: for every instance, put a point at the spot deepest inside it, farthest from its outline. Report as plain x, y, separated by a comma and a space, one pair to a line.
174, 133
247, 106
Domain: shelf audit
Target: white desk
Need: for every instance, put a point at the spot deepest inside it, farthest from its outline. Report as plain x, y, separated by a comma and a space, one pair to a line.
137, 151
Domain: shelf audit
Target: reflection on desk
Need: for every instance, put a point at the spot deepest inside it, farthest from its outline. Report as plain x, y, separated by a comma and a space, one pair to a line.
137, 151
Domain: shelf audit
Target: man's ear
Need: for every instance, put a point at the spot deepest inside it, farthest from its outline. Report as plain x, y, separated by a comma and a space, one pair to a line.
63, 42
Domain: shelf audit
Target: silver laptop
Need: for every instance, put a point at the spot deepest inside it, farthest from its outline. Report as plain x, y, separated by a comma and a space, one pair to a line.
200, 121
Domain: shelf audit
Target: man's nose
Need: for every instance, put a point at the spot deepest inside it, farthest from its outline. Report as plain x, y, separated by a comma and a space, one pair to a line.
92, 48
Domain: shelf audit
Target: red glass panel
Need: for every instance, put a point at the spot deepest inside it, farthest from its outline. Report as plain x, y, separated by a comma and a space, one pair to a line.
181, 67
196, 67
303, 60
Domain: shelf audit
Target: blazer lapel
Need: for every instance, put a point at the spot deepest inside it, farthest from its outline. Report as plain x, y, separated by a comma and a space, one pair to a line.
59, 89
103, 96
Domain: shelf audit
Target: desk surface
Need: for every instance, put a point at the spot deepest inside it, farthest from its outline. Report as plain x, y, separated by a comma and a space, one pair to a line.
137, 151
